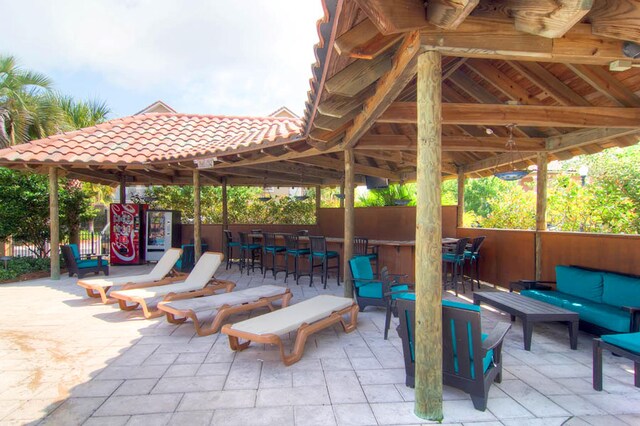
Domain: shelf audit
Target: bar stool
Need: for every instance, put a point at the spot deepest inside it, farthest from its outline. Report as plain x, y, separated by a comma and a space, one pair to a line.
246, 249
269, 247
228, 237
292, 242
319, 250
472, 256
455, 259
361, 249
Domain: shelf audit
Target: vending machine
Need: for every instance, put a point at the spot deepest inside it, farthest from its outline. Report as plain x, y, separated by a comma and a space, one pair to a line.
126, 239
163, 232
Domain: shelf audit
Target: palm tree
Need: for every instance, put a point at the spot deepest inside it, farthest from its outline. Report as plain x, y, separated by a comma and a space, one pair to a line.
26, 110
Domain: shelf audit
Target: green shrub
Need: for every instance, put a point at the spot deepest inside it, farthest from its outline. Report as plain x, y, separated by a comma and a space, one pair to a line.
22, 265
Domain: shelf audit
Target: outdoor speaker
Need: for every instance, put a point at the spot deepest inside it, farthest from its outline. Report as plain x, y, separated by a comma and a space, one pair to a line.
374, 182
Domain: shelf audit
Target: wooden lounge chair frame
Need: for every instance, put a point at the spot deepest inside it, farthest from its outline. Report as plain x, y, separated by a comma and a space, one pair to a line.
178, 316
303, 333
210, 288
101, 292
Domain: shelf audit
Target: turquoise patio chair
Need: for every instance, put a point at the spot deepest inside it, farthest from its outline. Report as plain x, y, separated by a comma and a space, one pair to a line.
76, 265
455, 260
624, 344
270, 248
319, 251
463, 344
292, 243
249, 251
472, 257
231, 244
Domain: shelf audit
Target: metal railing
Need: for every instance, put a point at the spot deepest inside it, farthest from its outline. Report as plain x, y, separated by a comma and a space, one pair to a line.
90, 243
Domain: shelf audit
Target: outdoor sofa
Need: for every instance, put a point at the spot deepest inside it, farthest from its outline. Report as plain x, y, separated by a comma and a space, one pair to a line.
607, 302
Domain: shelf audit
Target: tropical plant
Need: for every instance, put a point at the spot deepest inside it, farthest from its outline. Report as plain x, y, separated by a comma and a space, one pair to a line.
390, 196
81, 114
27, 109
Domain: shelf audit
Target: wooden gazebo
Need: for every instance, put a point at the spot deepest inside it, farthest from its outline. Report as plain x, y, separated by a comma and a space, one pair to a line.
403, 90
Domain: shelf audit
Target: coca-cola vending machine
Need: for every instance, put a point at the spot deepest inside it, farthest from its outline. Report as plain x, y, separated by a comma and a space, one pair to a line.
126, 242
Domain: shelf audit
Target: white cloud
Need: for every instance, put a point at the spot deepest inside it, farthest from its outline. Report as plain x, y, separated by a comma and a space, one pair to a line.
225, 55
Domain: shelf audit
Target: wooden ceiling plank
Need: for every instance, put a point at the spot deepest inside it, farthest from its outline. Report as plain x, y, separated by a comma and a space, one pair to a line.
395, 16
339, 106
338, 164
605, 83
549, 83
357, 76
364, 41
522, 115
502, 82
388, 143
616, 19
326, 122
448, 14
387, 89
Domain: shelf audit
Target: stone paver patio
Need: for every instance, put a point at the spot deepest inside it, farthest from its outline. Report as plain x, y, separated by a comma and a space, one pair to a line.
65, 359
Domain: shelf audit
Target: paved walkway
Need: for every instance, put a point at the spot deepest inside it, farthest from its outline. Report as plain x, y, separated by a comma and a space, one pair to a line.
66, 360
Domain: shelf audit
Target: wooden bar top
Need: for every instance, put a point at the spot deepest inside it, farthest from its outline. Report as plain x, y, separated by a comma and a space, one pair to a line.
392, 243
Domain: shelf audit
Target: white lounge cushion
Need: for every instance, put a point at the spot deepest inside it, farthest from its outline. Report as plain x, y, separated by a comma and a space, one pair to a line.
197, 279
214, 302
162, 268
292, 317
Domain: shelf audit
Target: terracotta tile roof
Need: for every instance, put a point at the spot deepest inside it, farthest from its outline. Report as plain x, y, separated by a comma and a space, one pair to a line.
158, 137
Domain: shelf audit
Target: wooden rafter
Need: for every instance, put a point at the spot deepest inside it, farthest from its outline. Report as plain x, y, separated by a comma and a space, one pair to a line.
450, 143
357, 76
616, 19
522, 115
387, 89
546, 18
606, 84
336, 164
364, 41
448, 14
395, 16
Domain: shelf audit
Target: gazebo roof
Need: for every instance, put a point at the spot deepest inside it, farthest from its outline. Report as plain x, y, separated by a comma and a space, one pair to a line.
557, 71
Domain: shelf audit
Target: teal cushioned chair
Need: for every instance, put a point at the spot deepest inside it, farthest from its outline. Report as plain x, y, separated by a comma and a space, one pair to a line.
361, 248
455, 260
292, 244
463, 344
319, 251
249, 250
231, 244
270, 248
472, 257
76, 265
626, 345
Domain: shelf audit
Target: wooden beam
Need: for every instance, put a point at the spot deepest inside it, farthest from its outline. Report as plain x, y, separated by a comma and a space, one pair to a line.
300, 171
498, 39
448, 14
357, 76
428, 346
329, 123
152, 176
359, 168
605, 83
123, 187
541, 209
449, 143
395, 16
549, 83
388, 88
547, 18
616, 19
197, 216
522, 115
585, 137
54, 224
349, 219
339, 106
502, 82
364, 41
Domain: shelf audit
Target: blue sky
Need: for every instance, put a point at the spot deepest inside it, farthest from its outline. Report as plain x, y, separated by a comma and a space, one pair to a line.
246, 57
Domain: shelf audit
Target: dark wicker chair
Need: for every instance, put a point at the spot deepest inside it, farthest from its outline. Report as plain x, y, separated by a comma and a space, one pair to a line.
459, 354
76, 265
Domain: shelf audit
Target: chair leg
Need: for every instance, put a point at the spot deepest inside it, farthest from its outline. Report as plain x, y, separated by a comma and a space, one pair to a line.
597, 365
387, 321
286, 267
325, 271
310, 270
338, 268
480, 401
477, 264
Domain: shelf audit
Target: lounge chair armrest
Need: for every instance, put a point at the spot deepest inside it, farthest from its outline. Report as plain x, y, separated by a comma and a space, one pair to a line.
530, 285
635, 317
390, 293
496, 336
366, 281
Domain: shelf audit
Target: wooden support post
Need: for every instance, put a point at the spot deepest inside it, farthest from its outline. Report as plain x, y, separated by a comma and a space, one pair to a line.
541, 209
123, 188
197, 247
460, 217
225, 213
54, 224
349, 219
428, 259
318, 201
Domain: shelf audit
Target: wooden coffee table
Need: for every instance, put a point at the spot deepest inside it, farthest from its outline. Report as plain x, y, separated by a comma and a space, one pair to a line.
529, 311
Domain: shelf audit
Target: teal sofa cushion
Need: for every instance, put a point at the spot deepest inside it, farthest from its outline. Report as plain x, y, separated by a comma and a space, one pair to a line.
620, 290
360, 269
579, 282
628, 341
552, 297
92, 263
606, 316
372, 290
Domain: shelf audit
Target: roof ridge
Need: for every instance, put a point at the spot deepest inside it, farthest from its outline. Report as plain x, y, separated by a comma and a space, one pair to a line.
186, 114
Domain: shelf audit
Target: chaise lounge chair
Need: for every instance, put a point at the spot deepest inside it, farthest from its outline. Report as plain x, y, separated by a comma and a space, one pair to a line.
306, 318
179, 307
199, 282
98, 287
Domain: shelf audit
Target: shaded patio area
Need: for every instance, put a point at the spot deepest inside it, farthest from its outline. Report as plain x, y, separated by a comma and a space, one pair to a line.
65, 359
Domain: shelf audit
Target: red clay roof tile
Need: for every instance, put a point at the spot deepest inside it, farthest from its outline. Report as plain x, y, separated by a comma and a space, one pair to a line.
157, 137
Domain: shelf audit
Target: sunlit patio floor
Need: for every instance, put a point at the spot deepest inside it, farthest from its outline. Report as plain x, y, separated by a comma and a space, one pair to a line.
66, 359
